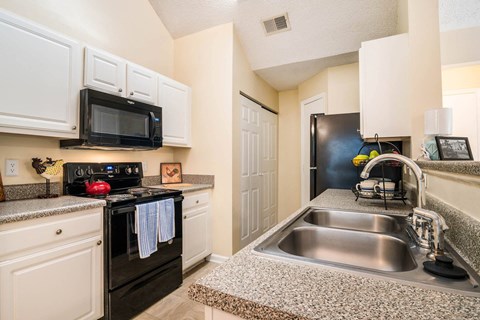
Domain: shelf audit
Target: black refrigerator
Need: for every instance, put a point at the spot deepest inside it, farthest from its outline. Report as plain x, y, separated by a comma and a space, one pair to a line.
334, 141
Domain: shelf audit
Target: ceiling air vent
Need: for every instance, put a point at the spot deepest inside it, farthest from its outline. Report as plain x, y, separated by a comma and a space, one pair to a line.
276, 24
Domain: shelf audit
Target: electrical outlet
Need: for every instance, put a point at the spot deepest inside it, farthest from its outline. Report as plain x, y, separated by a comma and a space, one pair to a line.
144, 166
11, 168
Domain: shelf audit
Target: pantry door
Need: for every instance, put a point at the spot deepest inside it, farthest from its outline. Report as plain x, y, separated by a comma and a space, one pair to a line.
258, 170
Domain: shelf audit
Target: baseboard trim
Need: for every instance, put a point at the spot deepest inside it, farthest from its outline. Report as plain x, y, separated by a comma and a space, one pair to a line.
217, 258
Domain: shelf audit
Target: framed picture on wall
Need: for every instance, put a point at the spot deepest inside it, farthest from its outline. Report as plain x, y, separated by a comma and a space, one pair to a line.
454, 148
171, 172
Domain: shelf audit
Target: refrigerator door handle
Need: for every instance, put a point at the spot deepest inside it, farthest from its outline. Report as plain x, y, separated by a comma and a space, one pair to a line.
313, 168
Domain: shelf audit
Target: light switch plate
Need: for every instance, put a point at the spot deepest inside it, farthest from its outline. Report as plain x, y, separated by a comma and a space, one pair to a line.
144, 166
11, 167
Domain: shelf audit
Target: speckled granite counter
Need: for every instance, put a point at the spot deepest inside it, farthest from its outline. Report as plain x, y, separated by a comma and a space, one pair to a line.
19, 210
184, 187
255, 287
459, 167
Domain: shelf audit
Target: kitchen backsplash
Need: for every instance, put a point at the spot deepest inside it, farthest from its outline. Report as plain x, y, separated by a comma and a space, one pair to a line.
32, 190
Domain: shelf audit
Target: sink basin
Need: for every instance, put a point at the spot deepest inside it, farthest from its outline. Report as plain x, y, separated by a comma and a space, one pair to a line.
364, 250
372, 244
353, 220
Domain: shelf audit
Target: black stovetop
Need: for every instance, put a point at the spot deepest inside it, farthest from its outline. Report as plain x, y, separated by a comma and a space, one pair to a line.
124, 178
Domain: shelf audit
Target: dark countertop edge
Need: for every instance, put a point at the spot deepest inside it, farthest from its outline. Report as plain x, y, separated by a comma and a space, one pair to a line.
458, 167
30, 215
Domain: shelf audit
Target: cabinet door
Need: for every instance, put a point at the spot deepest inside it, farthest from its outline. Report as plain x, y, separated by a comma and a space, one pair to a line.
62, 283
175, 100
40, 79
105, 72
141, 84
196, 236
383, 87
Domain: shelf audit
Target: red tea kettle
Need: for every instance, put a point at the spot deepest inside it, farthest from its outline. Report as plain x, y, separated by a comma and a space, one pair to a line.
97, 188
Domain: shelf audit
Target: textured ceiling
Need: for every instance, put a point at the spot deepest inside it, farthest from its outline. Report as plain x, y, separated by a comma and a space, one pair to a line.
323, 33
459, 14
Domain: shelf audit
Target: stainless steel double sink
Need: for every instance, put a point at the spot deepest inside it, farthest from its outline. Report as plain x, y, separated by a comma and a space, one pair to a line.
372, 244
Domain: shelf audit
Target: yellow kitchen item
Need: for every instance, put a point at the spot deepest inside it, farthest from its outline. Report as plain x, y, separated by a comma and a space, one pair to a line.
373, 154
360, 159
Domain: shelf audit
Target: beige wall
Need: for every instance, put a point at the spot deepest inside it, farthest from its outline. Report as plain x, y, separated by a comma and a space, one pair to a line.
466, 77
425, 83
343, 95
313, 86
204, 61
460, 46
289, 154
24, 148
341, 85
128, 28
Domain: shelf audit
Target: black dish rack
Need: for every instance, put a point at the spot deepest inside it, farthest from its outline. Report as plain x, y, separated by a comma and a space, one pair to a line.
398, 194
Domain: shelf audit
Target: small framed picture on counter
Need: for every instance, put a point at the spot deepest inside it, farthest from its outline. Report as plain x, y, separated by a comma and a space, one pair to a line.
171, 172
454, 148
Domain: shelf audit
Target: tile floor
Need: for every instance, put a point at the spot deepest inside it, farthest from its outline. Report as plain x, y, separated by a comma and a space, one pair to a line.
177, 306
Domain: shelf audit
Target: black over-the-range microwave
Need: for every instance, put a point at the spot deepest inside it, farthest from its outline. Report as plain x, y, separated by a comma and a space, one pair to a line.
115, 123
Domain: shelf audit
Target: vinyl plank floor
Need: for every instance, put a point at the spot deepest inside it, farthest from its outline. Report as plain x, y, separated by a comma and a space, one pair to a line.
177, 306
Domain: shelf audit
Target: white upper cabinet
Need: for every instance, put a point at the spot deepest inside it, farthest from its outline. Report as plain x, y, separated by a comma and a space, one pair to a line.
383, 87
141, 83
112, 74
175, 99
40, 79
105, 71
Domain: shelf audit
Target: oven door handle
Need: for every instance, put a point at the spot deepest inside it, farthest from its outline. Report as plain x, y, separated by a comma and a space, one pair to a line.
179, 198
123, 210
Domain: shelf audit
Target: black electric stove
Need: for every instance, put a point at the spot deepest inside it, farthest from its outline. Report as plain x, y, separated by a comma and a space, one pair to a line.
131, 284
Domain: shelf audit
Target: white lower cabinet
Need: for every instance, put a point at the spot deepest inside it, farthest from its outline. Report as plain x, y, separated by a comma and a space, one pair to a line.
197, 239
58, 279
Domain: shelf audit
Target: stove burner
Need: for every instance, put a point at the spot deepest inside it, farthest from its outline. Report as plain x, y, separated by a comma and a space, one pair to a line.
119, 197
138, 191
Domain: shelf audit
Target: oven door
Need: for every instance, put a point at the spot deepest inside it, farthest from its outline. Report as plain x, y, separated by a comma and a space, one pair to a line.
124, 263
113, 121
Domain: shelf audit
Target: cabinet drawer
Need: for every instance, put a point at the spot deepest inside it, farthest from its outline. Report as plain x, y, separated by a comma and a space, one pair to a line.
49, 232
194, 200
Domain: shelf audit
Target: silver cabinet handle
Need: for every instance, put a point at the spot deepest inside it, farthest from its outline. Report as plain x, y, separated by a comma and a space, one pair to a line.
59, 231
120, 89
74, 127
131, 93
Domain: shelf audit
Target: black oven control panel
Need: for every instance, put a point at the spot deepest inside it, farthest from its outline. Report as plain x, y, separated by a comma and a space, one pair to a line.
129, 174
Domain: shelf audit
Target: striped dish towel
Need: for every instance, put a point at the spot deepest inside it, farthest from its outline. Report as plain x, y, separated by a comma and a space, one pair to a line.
166, 220
146, 226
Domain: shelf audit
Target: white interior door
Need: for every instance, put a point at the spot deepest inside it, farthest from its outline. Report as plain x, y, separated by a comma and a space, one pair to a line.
250, 179
313, 105
466, 116
269, 168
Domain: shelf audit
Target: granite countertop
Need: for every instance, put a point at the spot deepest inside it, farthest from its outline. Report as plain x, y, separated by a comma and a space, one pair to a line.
256, 287
20, 210
184, 187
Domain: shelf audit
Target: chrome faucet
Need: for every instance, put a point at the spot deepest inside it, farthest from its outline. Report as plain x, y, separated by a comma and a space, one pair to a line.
425, 227
409, 163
